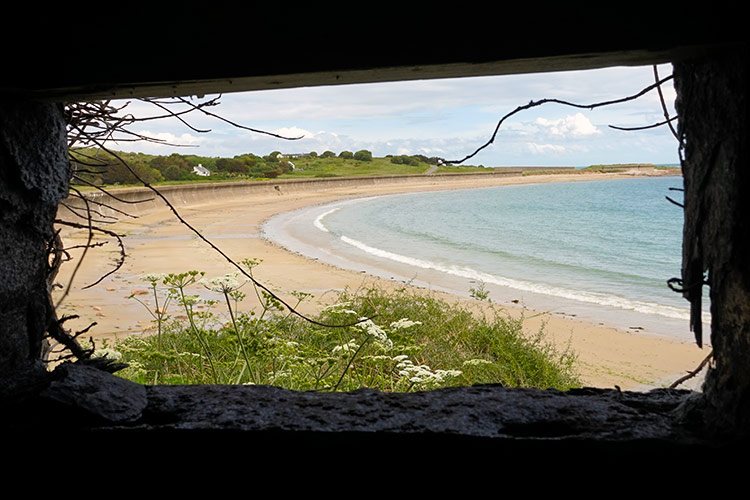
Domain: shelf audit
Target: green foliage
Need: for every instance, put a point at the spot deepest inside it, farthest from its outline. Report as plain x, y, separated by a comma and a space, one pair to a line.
232, 165
411, 341
339, 167
453, 169
363, 155
176, 168
480, 292
404, 160
414, 160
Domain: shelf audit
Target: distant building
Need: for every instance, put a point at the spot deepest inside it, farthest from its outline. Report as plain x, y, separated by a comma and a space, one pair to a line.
201, 170
293, 155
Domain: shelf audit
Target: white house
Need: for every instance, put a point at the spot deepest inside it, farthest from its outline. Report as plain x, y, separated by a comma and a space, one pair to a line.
201, 170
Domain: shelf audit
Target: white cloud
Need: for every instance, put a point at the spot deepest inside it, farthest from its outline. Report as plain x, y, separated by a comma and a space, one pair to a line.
571, 126
446, 117
294, 132
542, 149
159, 143
182, 139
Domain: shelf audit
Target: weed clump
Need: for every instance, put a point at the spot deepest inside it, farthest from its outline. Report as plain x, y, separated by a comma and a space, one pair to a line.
401, 340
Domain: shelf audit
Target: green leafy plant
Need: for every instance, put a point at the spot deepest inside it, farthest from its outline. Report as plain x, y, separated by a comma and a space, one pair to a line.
398, 340
480, 292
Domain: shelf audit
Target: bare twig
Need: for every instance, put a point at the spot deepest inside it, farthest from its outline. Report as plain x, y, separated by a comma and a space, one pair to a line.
90, 235
96, 123
645, 127
202, 110
75, 212
102, 204
664, 105
110, 194
120, 243
221, 252
533, 104
100, 143
693, 373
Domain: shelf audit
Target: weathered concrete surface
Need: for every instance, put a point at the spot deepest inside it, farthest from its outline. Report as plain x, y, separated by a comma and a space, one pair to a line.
34, 176
96, 406
715, 121
488, 411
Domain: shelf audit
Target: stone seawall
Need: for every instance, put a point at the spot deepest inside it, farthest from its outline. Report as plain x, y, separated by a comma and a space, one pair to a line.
141, 200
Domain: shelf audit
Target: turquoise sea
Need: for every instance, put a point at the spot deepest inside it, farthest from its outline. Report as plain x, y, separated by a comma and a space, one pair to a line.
597, 248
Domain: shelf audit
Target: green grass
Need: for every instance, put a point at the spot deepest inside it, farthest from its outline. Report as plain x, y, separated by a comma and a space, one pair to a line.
339, 167
455, 169
413, 341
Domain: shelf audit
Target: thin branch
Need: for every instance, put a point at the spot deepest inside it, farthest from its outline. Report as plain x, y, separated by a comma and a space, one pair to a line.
120, 243
90, 236
176, 115
675, 202
110, 194
58, 333
238, 125
533, 104
645, 127
217, 249
75, 212
664, 105
693, 373
102, 204
55, 248
97, 244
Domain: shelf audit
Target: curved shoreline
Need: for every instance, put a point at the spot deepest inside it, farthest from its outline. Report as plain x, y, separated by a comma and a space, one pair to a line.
296, 232
156, 242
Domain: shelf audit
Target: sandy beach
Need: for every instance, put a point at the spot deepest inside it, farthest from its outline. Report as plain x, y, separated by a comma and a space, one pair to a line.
156, 242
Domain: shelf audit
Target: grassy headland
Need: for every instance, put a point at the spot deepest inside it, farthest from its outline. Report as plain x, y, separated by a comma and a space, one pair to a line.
102, 169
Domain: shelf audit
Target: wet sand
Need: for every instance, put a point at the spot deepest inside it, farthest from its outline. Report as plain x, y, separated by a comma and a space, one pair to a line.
156, 242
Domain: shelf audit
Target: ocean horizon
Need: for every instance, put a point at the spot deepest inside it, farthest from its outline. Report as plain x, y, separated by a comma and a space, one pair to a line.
601, 250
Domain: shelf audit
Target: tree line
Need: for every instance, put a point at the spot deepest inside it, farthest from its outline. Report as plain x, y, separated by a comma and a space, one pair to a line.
102, 168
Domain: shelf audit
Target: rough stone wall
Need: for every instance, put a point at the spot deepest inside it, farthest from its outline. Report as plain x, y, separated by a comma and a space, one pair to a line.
713, 108
34, 175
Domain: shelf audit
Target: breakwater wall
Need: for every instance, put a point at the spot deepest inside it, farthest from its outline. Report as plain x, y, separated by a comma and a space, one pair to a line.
141, 200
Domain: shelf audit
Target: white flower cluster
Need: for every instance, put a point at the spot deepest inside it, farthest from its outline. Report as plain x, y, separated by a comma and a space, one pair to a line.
378, 357
377, 333
422, 375
107, 352
281, 374
185, 354
341, 307
224, 284
348, 348
153, 277
404, 323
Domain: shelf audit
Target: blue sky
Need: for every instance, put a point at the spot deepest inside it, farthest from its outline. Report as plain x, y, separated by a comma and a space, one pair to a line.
448, 118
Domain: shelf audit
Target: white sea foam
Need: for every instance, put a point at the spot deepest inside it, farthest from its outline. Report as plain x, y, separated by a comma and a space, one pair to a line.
319, 219
596, 298
401, 236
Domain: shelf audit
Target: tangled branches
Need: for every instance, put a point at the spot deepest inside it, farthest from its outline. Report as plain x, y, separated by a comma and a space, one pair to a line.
95, 124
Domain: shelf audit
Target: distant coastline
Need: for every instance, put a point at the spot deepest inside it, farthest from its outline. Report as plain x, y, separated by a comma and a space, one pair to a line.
182, 194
